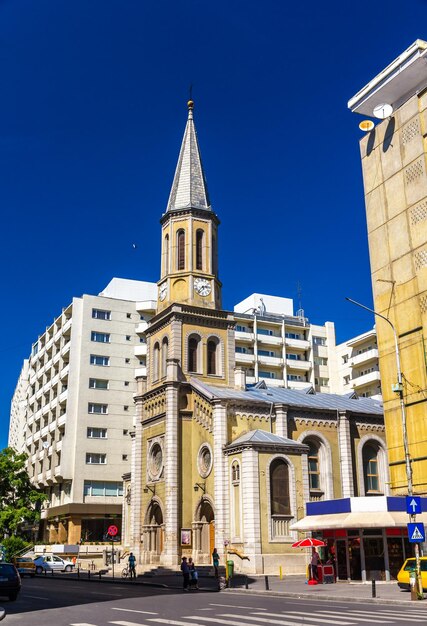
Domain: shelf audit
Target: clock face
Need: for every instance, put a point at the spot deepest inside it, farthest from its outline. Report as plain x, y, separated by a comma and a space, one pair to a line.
202, 286
163, 289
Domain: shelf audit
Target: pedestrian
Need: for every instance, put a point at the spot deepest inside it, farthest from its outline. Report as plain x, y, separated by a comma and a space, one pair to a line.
131, 564
194, 574
314, 564
185, 573
215, 561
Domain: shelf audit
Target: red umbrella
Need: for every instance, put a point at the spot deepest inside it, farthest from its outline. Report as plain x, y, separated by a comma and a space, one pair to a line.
308, 542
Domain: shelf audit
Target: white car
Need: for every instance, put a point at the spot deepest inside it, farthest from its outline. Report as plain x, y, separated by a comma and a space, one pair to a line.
49, 562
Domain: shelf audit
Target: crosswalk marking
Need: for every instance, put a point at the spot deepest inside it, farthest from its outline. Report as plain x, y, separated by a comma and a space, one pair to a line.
363, 615
333, 615
312, 616
116, 608
127, 623
350, 615
228, 622
172, 621
236, 606
82, 624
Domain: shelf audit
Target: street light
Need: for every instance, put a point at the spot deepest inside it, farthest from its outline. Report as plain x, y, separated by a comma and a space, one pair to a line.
398, 388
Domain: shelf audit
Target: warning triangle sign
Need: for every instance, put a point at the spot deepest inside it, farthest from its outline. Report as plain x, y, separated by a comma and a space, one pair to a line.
416, 535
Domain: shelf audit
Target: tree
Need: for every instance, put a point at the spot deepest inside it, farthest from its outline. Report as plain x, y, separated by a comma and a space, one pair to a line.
20, 502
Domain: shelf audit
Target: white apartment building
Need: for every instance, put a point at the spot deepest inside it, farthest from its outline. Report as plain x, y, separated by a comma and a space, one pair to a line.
358, 366
79, 408
18, 409
283, 349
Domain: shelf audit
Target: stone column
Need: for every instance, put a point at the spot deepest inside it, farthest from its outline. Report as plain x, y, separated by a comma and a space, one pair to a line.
136, 475
346, 460
222, 530
251, 511
281, 420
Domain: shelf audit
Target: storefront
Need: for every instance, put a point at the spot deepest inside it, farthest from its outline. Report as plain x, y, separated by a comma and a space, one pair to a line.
366, 538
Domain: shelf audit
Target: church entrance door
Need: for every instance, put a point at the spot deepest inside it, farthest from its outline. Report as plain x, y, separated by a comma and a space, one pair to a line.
204, 531
153, 531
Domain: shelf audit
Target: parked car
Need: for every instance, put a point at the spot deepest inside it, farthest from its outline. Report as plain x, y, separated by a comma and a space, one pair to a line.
25, 565
407, 567
10, 581
49, 562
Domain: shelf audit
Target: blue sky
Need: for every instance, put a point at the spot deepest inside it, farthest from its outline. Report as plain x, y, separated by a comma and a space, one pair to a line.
92, 111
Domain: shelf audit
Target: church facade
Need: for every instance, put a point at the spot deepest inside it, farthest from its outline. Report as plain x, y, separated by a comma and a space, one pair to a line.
216, 463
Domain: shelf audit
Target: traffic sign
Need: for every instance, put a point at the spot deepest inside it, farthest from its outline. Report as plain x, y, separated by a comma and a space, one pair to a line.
416, 533
112, 531
413, 505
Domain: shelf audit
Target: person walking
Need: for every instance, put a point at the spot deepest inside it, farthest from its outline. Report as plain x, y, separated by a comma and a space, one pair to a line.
215, 561
194, 574
131, 564
185, 573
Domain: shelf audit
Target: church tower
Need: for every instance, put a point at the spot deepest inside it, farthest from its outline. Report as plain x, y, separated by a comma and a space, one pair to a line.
189, 259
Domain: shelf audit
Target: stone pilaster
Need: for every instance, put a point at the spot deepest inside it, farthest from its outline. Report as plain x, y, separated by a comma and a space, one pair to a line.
281, 420
136, 484
251, 511
172, 490
346, 461
222, 530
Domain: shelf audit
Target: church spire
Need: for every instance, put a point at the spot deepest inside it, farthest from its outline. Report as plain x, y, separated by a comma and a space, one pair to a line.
189, 187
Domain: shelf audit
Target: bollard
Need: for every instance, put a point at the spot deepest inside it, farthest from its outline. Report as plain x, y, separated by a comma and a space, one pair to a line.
280, 572
246, 583
99, 574
52, 572
267, 586
88, 574
374, 590
78, 572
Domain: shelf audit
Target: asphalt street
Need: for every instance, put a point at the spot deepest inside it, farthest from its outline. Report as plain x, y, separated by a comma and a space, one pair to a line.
44, 602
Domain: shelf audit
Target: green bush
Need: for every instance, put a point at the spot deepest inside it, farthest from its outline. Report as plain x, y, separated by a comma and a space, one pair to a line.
13, 545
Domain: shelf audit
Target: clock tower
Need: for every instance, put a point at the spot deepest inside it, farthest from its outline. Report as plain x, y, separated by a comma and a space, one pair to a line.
189, 265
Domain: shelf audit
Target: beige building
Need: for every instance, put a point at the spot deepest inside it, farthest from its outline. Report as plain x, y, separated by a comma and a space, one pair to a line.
395, 183
76, 409
215, 463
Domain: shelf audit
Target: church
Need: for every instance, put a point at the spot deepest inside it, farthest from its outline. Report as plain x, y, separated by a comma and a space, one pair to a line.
217, 463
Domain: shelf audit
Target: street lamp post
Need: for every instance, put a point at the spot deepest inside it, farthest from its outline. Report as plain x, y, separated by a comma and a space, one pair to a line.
399, 389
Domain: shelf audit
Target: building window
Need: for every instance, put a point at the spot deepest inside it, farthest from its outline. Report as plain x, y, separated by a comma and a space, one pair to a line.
241, 329
97, 359
267, 374
235, 473
129, 315
370, 469
213, 350
345, 359
279, 488
100, 409
126, 383
127, 360
292, 336
100, 337
266, 353
94, 458
180, 245
324, 382
320, 360
156, 358
313, 465
125, 408
346, 380
99, 314
165, 352
96, 433
265, 331
166, 255
127, 337
98, 383
193, 349
103, 488
199, 249
124, 457
319, 341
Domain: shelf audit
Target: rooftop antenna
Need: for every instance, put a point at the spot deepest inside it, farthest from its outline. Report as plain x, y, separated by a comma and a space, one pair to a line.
300, 312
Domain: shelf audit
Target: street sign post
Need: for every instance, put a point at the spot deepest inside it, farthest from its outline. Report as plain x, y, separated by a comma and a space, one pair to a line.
112, 532
413, 505
416, 532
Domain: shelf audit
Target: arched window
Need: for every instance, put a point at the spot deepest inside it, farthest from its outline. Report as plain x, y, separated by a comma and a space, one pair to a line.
213, 350
193, 350
180, 245
235, 472
165, 350
279, 488
166, 255
370, 469
199, 249
156, 355
313, 466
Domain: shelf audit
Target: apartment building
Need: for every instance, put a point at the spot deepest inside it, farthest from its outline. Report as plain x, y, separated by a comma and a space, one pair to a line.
79, 408
18, 407
283, 349
358, 366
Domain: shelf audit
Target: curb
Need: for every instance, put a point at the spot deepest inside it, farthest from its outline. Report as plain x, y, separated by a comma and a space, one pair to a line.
306, 596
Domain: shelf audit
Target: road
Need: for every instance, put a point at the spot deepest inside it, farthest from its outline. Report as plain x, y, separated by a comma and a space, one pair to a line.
45, 602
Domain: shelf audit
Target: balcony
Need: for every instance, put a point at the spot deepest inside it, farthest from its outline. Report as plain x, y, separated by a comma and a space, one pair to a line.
298, 384
140, 350
242, 357
296, 364
44, 430
364, 357
64, 371
52, 426
58, 445
272, 361
365, 380
273, 382
29, 441
58, 471
141, 327
67, 325
243, 336
297, 344
63, 396
62, 419
66, 348
140, 371
271, 340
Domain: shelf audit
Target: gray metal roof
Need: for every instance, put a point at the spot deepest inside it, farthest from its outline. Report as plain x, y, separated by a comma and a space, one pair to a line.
189, 187
293, 398
263, 436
